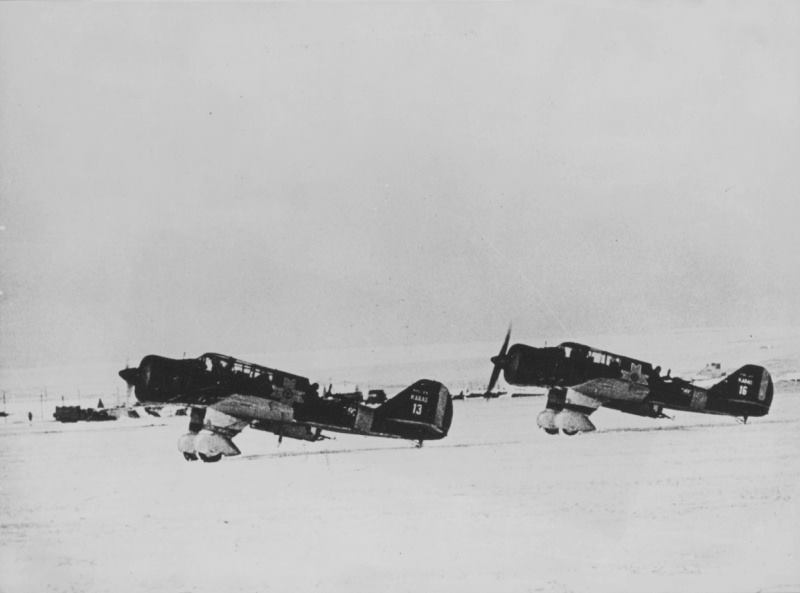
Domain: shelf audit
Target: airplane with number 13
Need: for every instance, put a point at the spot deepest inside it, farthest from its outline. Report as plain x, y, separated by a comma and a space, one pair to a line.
227, 395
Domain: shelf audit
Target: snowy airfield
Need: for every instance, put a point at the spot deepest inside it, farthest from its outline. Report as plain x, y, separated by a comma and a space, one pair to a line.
696, 503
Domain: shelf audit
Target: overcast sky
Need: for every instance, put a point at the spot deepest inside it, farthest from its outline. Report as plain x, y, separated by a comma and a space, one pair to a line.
246, 178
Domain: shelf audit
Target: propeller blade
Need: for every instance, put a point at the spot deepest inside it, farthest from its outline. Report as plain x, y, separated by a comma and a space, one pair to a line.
493, 379
505, 342
498, 362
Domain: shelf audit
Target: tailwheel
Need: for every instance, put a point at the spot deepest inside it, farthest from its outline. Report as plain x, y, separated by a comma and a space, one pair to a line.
551, 430
210, 458
190, 456
569, 433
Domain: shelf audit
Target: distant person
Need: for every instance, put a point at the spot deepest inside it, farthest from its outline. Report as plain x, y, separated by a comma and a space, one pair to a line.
30, 416
100, 405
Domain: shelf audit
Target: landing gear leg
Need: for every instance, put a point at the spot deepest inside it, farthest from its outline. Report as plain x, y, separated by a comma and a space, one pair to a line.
196, 418
186, 442
418, 445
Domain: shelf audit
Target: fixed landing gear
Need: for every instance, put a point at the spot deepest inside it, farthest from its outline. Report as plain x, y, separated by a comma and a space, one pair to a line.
569, 433
551, 430
418, 444
190, 456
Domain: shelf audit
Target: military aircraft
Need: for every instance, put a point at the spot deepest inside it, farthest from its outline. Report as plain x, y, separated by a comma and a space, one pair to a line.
581, 379
227, 394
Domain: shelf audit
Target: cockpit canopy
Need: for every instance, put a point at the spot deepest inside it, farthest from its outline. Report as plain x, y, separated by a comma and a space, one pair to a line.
237, 368
575, 351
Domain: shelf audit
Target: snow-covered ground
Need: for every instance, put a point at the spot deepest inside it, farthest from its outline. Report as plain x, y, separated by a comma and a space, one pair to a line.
697, 503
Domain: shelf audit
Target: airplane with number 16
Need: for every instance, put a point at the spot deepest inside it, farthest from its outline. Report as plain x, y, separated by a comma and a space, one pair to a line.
581, 379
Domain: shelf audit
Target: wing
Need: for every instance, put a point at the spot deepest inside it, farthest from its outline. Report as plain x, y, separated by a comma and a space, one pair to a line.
212, 428
249, 408
568, 410
605, 390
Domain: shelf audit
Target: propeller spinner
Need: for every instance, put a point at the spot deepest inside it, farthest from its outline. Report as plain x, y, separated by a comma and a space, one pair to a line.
499, 362
131, 376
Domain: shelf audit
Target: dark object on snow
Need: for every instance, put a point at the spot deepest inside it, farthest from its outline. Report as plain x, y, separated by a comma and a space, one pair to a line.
76, 414
376, 396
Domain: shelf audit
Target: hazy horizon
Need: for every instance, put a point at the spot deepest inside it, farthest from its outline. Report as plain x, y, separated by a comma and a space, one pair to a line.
286, 177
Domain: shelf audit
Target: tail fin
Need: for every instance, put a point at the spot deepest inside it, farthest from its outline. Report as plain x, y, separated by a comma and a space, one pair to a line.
421, 411
746, 392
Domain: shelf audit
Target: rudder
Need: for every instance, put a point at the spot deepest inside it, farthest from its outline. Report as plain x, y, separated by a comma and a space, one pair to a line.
423, 410
748, 390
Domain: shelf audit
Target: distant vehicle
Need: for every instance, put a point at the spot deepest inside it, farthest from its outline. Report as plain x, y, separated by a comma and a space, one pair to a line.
376, 396
346, 396
489, 394
580, 379
713, 370
227, 394
469, 393
77, 414
527, 394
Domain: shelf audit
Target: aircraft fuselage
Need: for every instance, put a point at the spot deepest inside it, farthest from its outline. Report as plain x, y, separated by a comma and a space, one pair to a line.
634, 386
226, 394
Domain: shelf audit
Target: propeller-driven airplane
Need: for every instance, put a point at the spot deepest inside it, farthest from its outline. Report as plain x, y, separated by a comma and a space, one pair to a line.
581, 379
227, 394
